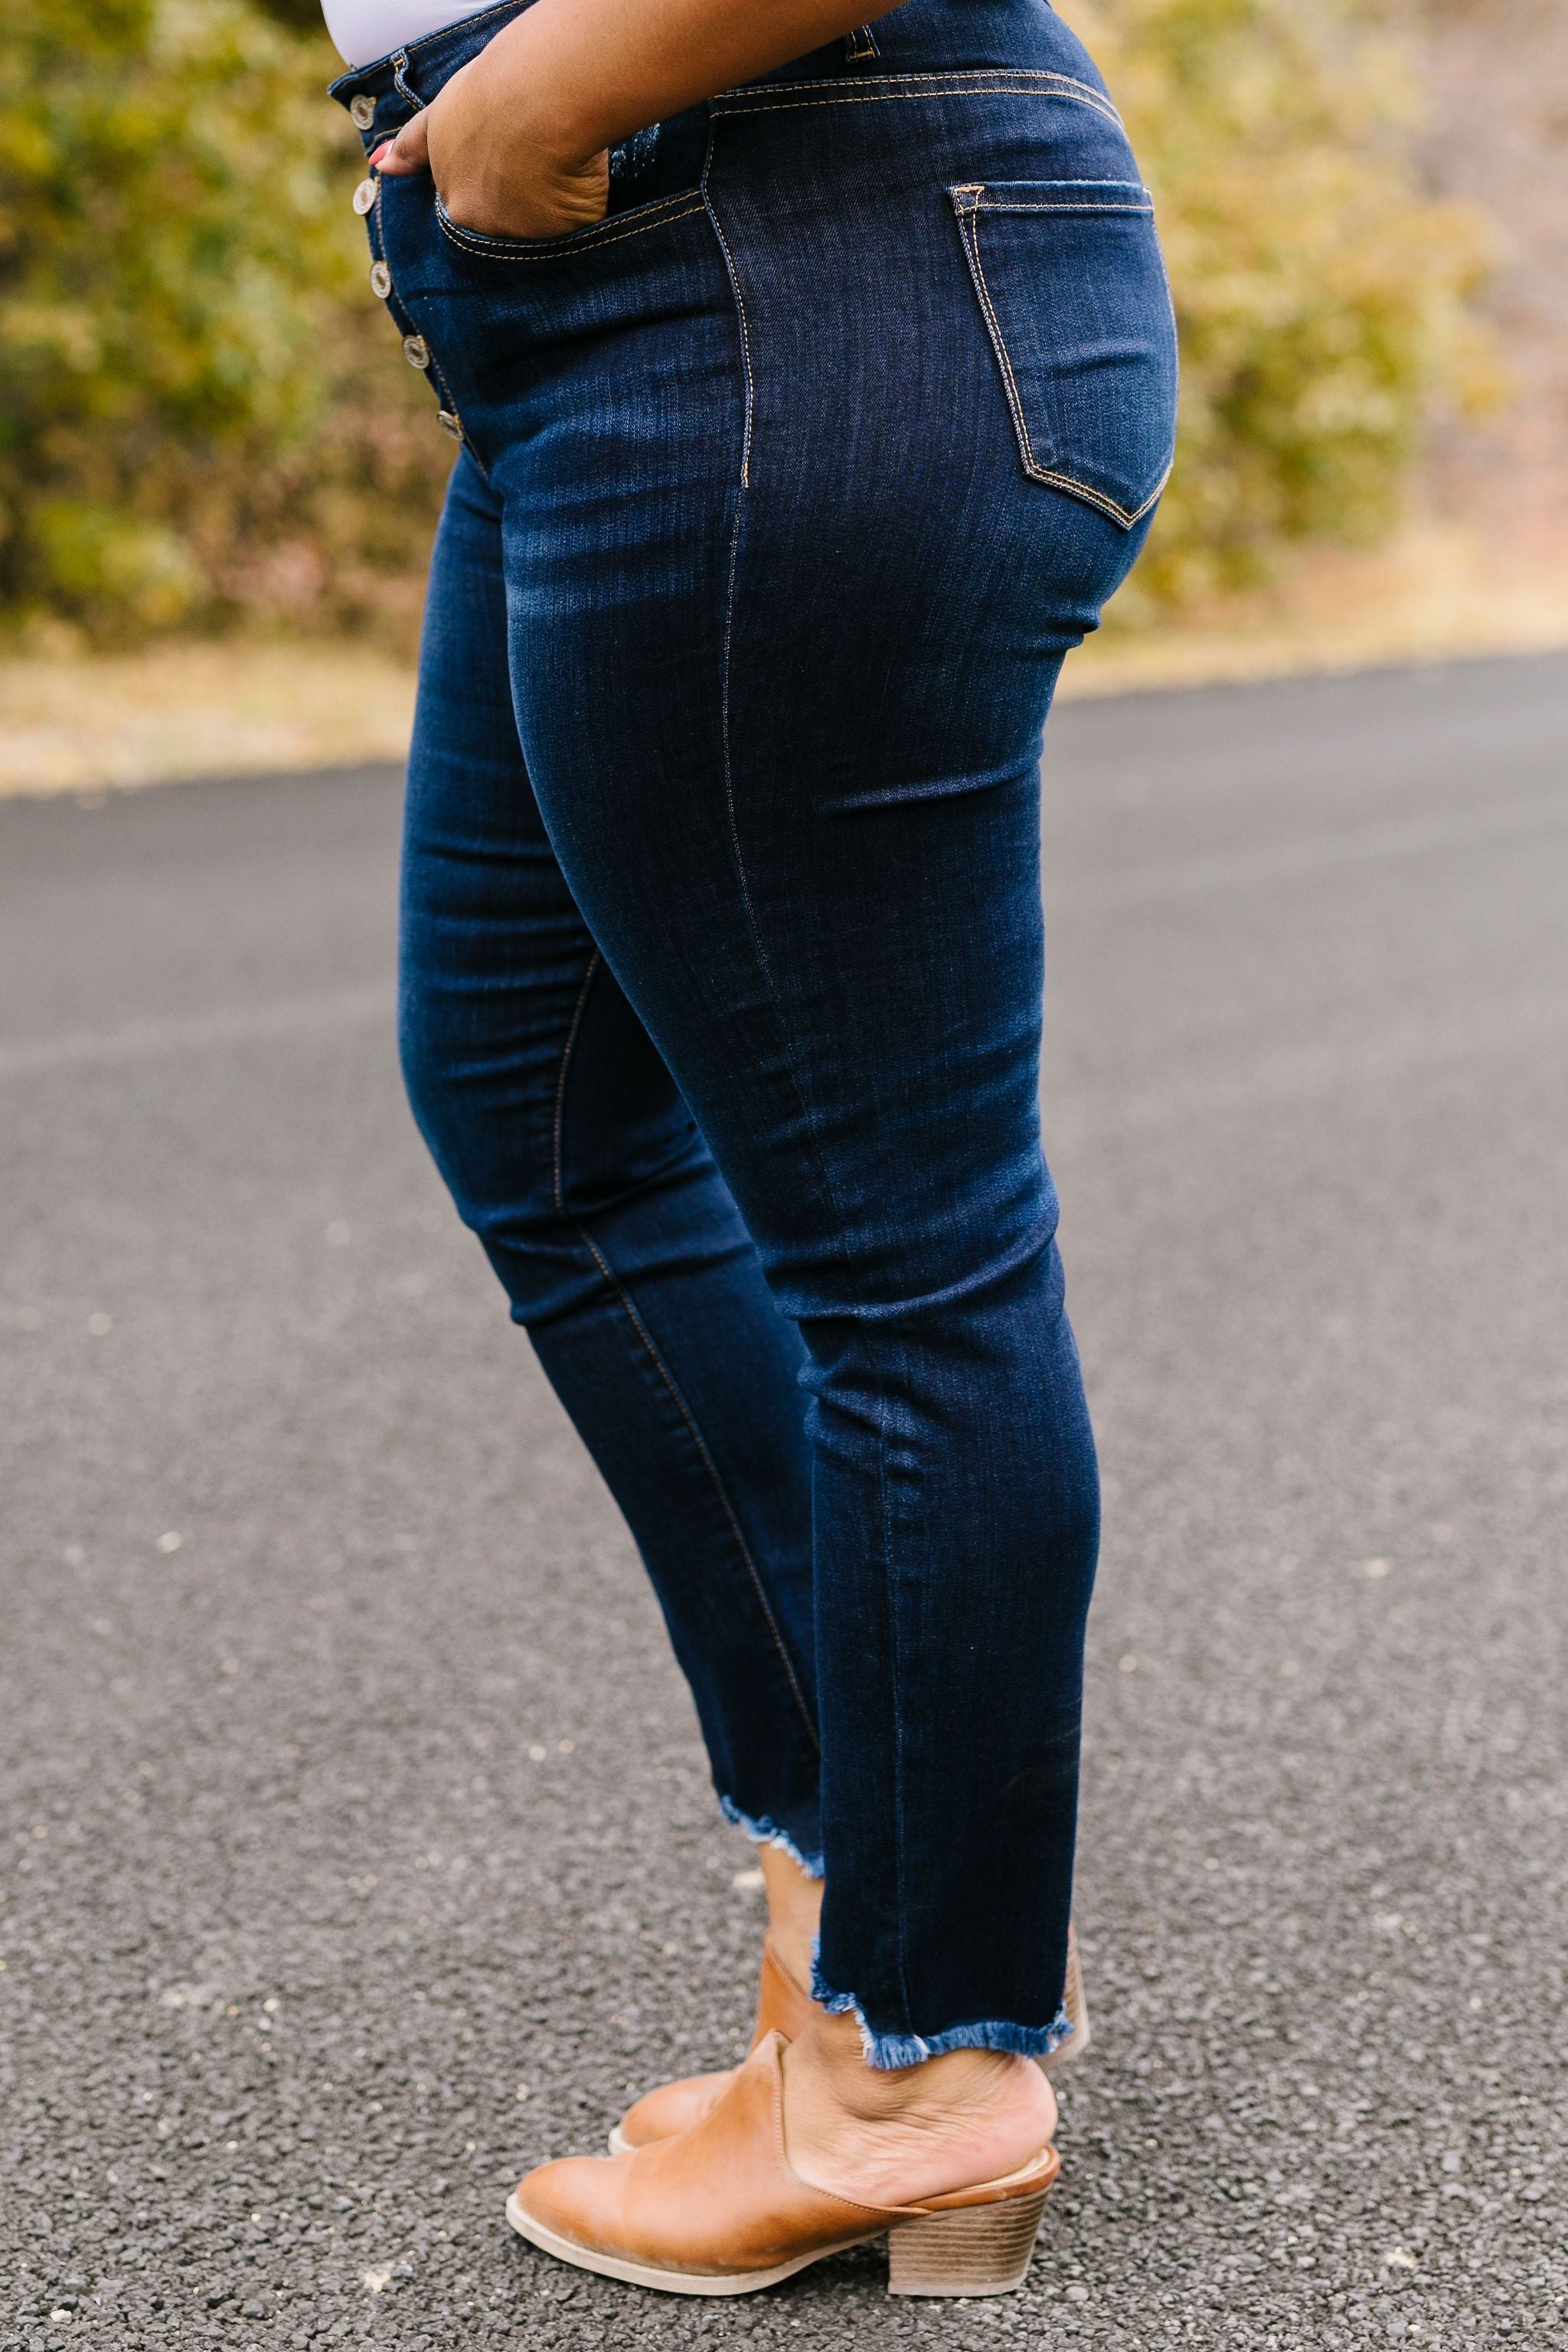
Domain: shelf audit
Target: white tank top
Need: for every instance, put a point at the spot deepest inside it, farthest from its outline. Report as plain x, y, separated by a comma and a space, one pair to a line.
364, 30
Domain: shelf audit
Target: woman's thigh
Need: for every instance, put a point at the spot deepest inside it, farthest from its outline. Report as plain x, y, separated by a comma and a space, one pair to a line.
501, 988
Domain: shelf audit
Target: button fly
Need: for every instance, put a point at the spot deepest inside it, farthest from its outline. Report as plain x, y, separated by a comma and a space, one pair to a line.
364, 196
380, 280
448, 423
416, 351
362, 111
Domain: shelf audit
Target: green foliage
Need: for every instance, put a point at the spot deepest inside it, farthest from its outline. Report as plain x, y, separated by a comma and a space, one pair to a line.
1318, 295
304, 15
184, 431
202, 418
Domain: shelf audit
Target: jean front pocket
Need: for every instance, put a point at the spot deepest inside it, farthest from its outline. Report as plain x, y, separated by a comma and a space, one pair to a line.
613, 229
1073, 292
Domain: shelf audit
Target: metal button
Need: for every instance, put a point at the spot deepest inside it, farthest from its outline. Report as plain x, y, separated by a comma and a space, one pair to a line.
448, 423
380, 280
362, 111
365, 196
416, 351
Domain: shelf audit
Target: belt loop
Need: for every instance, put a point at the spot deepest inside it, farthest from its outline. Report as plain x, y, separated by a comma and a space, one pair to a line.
860, 45
399, 69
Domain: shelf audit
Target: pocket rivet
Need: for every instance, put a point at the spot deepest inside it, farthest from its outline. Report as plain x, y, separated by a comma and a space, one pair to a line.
416, 351
362, 110
448, 423
364, 196
380, 280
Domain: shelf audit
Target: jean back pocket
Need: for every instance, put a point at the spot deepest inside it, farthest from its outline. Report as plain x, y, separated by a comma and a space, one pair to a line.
1073, 292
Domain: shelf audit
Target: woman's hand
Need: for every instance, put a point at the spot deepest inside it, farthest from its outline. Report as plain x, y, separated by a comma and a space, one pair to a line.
495, 169
518, 140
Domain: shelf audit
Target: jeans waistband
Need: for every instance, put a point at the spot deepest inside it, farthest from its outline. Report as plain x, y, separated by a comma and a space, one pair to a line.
414, 72
922, 36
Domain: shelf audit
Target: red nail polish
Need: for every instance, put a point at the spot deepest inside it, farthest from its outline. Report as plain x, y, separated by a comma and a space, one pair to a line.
385, 148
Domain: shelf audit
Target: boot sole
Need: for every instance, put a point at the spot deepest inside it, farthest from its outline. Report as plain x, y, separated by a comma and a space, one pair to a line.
966, 2250
618, 2266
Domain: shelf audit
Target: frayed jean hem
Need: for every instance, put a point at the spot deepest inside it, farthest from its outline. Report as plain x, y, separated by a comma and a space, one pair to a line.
889, 2050
763, 1831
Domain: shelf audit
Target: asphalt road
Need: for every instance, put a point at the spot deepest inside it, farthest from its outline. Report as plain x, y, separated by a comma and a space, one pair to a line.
358, 1845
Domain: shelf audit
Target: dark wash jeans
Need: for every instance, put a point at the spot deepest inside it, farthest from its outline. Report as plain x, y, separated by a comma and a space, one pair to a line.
783, 491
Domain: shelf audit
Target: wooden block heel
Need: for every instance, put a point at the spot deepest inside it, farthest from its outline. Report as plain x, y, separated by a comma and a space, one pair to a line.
975, 2249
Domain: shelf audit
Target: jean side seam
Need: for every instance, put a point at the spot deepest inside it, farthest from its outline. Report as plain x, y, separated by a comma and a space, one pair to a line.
704, 1454
558, 1128
709, 1465
897, 1663
750, 400
727, 760
726, 672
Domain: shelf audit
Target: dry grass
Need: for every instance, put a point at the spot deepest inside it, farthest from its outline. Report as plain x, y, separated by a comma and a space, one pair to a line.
1436, 593
75, 724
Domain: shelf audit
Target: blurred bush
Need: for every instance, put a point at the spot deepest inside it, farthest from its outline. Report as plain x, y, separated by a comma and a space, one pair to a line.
196, 423
1321, 296
200, 423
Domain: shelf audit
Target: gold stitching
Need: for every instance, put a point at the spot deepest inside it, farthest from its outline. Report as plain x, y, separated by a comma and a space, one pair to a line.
968, 229
549, 250
974, 76
888, 98
1097, 497
733, 276
1001, 81
1143, 210
993, 197
553, 250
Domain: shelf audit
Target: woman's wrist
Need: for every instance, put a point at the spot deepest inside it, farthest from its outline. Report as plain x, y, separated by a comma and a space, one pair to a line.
533, 75
591, 73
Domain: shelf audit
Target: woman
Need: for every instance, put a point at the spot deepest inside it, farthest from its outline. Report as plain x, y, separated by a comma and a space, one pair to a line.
815, 383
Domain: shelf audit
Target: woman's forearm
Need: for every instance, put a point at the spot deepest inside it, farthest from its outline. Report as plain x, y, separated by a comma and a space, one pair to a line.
586, 73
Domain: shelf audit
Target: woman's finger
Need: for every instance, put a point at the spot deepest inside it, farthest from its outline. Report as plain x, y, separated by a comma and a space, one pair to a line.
409, 151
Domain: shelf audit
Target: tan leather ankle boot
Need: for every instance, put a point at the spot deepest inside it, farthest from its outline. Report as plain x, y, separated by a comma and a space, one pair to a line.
717, 2210
783, 2006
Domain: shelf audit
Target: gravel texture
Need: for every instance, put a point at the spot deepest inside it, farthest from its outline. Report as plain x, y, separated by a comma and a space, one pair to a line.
359, 1847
